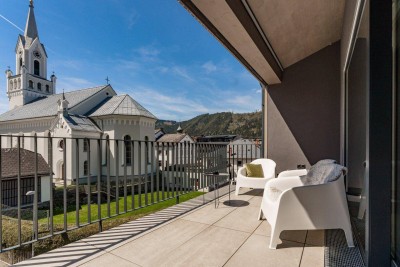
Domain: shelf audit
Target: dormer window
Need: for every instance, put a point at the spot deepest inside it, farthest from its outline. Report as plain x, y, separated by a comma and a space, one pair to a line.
30, 84
39, 86
36, 68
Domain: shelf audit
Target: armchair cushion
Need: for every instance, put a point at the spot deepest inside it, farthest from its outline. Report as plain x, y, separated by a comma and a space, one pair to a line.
322, 174
254, 170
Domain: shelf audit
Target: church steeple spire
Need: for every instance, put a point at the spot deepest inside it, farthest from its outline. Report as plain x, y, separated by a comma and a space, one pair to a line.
31, 28
30, 80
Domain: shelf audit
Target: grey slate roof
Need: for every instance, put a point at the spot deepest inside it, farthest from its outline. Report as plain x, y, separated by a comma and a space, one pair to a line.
81, 123
172, 138
120, 105
47, 106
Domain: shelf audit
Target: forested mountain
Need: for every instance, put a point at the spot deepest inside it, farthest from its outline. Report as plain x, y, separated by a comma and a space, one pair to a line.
247, 125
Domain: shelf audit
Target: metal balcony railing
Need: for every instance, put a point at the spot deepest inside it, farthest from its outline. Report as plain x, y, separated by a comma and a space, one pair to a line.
51, 185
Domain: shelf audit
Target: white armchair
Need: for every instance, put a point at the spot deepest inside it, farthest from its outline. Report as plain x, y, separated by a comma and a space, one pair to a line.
242, 180
288, 204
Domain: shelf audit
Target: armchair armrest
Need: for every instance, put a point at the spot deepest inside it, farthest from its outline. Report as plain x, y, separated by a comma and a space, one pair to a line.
285, 183
290, 173
242, 172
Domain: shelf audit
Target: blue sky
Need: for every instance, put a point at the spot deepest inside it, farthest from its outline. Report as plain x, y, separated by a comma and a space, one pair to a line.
154, 51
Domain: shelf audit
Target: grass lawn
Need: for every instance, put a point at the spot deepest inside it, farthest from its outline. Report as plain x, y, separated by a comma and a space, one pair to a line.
138, 212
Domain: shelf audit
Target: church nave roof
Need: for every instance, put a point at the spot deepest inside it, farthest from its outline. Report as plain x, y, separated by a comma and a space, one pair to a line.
120, 105
47, 106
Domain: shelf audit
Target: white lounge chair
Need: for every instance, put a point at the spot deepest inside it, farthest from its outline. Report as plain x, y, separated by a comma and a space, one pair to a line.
242, 180
288, 204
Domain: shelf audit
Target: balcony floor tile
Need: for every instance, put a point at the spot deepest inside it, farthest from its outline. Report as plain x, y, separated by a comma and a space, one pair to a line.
228, 235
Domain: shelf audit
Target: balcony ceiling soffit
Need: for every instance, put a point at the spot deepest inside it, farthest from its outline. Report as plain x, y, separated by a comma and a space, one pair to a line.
221, 16
297, 29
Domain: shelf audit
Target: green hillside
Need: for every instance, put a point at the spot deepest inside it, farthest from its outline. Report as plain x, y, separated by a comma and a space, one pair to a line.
247, 125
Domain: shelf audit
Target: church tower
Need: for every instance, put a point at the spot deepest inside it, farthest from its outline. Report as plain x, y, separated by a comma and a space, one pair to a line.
30, 79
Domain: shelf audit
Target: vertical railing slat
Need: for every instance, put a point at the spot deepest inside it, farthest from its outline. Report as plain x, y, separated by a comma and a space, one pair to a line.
152, 168
146, 174
36, 191
158, 171
77, 182
108, 163
64, 170
133, 175
99, 166
140, 173
88, 181
19, 189
116, 176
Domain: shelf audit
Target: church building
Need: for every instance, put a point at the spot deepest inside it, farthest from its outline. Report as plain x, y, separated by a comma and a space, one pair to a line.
35, 109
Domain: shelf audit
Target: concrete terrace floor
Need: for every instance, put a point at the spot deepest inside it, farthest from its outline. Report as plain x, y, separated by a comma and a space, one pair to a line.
202, 236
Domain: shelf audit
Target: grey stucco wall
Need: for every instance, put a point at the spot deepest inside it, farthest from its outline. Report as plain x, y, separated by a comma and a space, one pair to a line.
304, 111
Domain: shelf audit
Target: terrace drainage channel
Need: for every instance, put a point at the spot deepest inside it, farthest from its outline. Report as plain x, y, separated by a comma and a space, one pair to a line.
337, 253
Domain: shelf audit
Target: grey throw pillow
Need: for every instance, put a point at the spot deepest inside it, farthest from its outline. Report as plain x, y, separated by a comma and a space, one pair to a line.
325, 161
322, 174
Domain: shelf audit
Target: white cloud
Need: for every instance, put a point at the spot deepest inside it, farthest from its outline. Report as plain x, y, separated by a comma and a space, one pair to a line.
209, 67
168, 106
72, 83
182, 72
148, 53
123, 64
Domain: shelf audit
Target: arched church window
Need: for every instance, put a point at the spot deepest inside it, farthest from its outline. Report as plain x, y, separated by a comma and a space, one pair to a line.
39, 86
85, 145
20, 62
85, 168
19, 83
11, 85
128, 150
30, 84
15, 84
106, 147
147, 145
36, 67
61, 144
47, 88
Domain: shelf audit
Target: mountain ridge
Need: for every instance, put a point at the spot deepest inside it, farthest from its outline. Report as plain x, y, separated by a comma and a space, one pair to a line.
247, 125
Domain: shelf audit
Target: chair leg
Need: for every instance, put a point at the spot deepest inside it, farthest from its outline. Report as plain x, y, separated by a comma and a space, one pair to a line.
260, 214
349, 236
274, 238
237, 189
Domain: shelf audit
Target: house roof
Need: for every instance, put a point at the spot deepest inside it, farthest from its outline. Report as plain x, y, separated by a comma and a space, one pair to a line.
47, 106
81, 123
120, 105
9, 163
172, 138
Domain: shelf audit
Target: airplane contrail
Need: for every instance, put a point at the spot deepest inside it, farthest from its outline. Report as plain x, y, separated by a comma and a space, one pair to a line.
13, 24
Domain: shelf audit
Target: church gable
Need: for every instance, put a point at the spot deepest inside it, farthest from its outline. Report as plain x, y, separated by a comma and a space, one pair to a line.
120, 105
